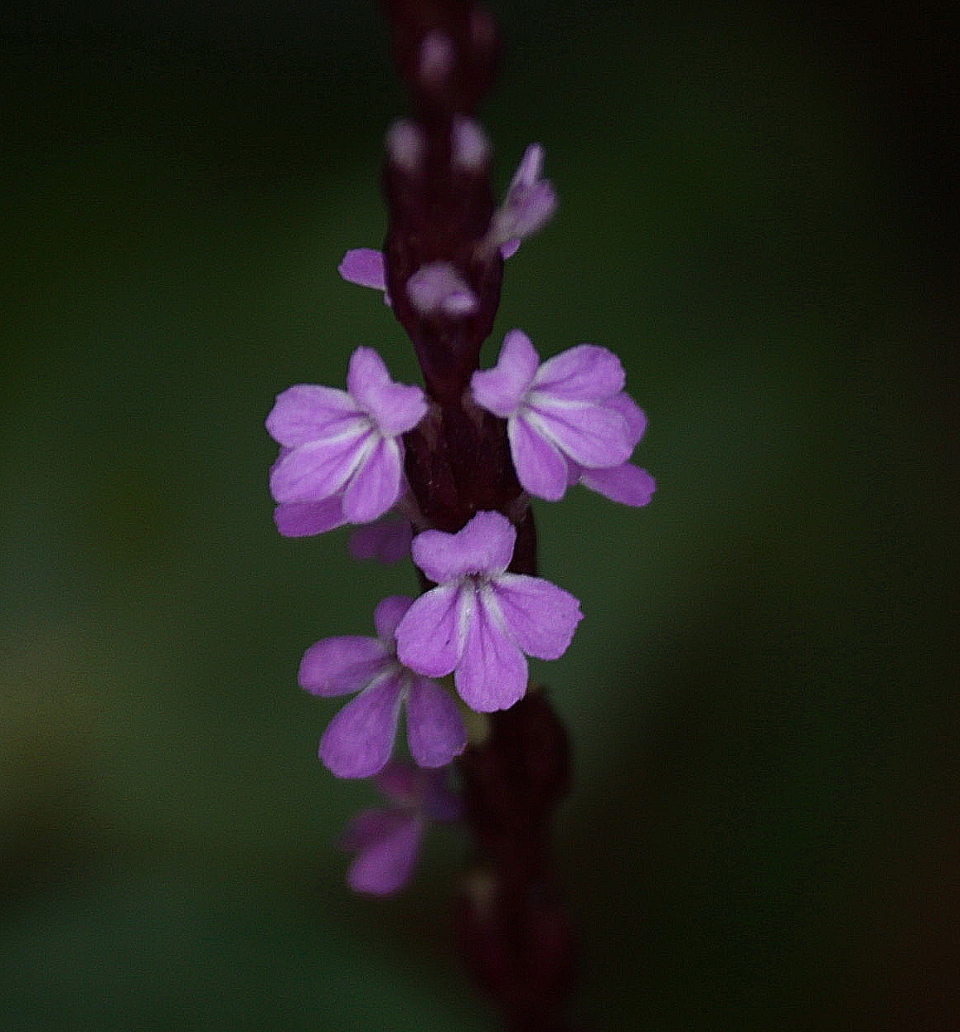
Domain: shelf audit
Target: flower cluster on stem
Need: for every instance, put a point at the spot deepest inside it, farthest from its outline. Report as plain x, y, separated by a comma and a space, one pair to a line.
445, 473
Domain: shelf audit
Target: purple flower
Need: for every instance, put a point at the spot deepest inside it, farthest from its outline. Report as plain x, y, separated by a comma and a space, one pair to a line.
527, 207
387, 840
345, 442
359, 740
625, 483
480, 620
438, 288
559, 412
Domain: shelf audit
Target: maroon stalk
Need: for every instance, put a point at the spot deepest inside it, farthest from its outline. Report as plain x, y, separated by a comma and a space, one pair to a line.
513, 933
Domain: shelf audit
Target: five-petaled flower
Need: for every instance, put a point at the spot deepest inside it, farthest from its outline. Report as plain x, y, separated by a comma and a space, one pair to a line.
345, 442
565, 410
359, 740
480, 620
387, 839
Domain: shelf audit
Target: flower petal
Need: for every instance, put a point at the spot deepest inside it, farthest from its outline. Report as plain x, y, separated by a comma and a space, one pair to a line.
401, 783
627, 484
394, 407
492, 673
335, 666
319, 469
502, 389
635, 417
539, 616
586, 372
439, 802
305, 412
389, 612
387, 541
376, 484
541, 469
359, 740
592, 435
428, 638
435, 731
482, 546
364, 266
301, 519
386, 865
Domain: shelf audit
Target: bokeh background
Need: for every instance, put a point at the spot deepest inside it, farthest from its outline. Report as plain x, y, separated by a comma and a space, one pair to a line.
756, 214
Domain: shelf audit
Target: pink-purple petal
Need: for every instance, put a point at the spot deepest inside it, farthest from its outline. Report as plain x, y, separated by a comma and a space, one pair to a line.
359, 740
320, 468
394, 407
397, 408
387, 541
439, 802
365, 267
627, 484
501, 390
376, 484
385, 865
586, 372
371, 825
482, 546
591, 435
305, 412
634, 416
492, 673
335, 666
428, 638
541, 469
539, 616
435, 731
388, 614
401, 783
301, 519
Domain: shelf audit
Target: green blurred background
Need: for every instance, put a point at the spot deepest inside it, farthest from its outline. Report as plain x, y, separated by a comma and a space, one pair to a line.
755, 214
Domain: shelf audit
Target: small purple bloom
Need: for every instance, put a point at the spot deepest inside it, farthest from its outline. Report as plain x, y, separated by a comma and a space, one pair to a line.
345, 442
359, 740
528, 206
626, 483
438, 288
558, 412
405, 145
469, 149
480, 621
387, 840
